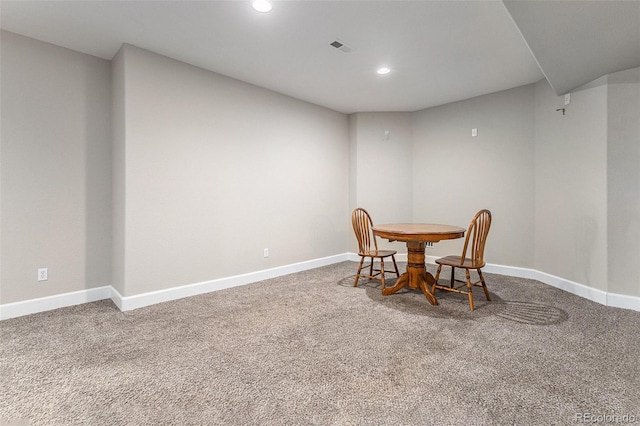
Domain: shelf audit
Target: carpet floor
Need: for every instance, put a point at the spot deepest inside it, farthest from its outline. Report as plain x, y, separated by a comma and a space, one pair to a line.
310, 349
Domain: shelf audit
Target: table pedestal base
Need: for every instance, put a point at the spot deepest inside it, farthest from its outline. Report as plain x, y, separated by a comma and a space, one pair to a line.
416, 275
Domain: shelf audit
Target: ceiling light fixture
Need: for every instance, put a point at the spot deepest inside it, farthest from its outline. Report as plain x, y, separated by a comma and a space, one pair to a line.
262, 6
383, 70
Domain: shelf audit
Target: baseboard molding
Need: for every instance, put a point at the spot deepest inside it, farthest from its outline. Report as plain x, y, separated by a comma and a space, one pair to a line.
604, 298
623, 301
126, 303
140, 300
43, 304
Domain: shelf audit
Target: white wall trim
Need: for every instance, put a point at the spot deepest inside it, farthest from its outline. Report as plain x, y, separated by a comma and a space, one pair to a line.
126, 303
623, 301
42, 304
578, 289
593, 294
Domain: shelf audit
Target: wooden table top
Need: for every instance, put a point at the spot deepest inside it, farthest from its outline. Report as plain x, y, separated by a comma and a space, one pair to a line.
418, 231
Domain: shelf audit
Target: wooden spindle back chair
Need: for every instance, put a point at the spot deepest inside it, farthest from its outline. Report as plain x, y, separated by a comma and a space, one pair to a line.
474, 242
368, 248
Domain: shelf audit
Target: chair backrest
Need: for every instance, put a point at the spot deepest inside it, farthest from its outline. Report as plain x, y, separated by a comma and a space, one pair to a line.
362, 224
477, 233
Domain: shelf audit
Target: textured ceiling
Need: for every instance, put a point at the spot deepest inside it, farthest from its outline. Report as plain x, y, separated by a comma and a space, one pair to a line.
439, 51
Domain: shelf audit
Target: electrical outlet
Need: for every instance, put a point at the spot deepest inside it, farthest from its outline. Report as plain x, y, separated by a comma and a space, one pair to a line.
474, 132
429, 244
43, 274
567, 99
266, 252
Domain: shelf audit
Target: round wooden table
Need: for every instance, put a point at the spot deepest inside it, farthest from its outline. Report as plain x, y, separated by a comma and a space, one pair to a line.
416, 235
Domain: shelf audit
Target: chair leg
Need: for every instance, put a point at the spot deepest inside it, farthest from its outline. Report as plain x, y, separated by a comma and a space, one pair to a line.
393, 257
484, 285
470, 288
355, 284
453, 276
382, 272
433, 287
371, 268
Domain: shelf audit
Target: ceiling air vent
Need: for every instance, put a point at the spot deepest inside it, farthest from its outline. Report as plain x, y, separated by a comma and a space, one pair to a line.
340, 46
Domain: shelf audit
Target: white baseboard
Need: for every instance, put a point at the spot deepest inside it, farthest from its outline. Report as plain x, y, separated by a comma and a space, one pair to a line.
578, 289
599, 296
126, 303
140, 300
623, 301
42, 304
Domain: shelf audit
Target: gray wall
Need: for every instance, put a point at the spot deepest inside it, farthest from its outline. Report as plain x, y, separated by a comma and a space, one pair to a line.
455, 174
216, 170
55, 169
208, 171
382, 169
623, 181
118, 121
571, 185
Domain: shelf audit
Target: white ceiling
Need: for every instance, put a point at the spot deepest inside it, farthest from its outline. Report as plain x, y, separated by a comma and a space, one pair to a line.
439, 51
576, 42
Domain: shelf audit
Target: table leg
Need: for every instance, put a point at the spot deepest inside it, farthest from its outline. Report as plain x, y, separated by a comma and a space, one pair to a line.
400, 283
416, 276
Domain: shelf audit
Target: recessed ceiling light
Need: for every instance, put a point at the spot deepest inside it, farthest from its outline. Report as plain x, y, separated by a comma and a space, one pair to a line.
383, 70
263, 6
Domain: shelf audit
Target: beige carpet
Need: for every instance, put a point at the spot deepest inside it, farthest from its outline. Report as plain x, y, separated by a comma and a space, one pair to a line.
310, 349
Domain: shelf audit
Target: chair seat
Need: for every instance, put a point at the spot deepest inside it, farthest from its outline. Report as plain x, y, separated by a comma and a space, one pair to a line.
379, 253
456, 261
